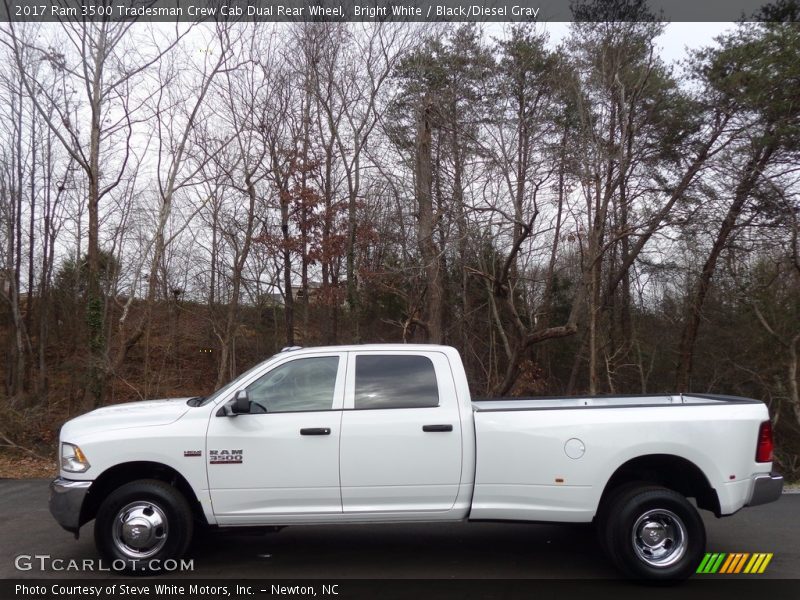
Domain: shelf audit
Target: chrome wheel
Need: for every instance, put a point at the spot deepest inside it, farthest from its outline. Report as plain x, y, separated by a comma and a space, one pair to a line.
139, 530
659, 537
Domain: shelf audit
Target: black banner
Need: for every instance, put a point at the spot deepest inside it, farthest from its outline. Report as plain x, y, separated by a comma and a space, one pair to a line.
395, 10
390, 589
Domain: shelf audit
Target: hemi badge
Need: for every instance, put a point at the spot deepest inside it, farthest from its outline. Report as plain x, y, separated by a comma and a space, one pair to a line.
192, 453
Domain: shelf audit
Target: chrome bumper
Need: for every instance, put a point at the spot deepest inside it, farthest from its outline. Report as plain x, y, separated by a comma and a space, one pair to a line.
766, 488
66, 500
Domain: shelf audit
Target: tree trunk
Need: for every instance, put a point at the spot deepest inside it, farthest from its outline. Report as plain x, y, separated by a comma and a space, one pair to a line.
288, 306
95, 385
427, 226
227, 354
463, 245
31, 229
752, 173
17, 371
330, 325
793, 367
304, 211
352, 283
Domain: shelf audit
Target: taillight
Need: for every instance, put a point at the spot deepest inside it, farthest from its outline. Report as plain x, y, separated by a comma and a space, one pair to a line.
765, 446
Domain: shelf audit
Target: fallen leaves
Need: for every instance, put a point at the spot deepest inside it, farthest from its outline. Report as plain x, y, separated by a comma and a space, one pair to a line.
19, 465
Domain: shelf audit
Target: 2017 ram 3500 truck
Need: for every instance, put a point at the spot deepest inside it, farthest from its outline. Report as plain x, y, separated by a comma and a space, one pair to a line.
389, 433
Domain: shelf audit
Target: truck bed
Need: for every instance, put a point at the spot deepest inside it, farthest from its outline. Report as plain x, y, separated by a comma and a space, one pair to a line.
546, 459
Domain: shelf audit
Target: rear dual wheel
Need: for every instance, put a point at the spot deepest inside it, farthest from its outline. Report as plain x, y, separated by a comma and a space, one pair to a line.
652, 533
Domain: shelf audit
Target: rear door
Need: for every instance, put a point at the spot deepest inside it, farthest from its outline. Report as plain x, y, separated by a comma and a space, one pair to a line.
401, 445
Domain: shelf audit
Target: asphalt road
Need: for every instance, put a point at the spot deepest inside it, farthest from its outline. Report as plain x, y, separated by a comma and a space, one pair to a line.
446, 551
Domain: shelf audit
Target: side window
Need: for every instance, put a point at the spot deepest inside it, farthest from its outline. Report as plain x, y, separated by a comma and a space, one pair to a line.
300, 385
400, 381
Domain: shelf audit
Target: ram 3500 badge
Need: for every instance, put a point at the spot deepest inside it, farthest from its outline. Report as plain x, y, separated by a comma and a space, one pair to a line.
225, 457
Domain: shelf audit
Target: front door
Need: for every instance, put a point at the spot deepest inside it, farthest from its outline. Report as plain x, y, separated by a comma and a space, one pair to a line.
282, 459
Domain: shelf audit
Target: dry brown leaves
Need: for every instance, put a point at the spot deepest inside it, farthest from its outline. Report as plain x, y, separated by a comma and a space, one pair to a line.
19, 465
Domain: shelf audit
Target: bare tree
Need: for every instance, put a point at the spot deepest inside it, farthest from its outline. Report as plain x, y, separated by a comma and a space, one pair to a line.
768, 132
104, 62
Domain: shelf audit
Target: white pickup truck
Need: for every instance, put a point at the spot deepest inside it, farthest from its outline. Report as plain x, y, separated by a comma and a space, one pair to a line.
389, 433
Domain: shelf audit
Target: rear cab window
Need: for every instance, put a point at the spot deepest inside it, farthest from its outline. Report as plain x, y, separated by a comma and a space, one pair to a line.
394, 381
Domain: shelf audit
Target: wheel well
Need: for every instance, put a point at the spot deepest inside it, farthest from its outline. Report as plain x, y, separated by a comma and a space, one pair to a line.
121, 474
670, 471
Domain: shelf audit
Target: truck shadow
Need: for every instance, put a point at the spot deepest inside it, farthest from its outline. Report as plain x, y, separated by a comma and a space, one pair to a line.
453, 550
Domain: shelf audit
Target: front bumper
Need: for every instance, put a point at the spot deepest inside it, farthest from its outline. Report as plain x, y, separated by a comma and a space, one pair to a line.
66, 500
766, 488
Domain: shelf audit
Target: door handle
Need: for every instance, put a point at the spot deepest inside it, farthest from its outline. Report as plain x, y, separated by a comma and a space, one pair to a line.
433, 428
315, 431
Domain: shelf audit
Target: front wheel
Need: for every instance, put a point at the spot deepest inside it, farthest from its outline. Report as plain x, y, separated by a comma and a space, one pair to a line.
143, 523
655, 533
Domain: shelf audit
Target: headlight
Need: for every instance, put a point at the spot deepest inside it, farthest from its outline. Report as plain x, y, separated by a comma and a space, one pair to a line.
73, 460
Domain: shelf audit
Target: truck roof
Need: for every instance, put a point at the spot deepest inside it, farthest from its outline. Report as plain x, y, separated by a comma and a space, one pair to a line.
394, 347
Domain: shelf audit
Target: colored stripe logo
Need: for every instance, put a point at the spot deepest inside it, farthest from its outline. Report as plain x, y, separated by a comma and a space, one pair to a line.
734, 563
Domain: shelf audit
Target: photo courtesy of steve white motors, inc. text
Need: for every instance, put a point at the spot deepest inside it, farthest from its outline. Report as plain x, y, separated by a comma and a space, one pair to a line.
72, 591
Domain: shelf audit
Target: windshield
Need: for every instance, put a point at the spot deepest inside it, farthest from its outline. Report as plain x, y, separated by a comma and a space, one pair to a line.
233, 384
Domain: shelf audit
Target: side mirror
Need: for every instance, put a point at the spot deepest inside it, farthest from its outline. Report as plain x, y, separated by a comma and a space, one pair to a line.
241, 403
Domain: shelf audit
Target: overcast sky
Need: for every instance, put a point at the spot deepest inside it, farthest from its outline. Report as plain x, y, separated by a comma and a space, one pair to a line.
675, 41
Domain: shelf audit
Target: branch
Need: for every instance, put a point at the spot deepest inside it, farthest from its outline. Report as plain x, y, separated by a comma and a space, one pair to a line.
9, 444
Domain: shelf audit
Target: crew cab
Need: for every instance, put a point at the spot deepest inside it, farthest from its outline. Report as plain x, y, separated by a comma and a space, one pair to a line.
389, 433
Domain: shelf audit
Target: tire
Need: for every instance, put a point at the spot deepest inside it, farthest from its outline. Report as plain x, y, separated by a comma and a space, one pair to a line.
159, 525
654, 534
605, 511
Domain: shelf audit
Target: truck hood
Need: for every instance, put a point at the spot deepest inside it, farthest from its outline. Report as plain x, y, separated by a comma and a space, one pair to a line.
123, 416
